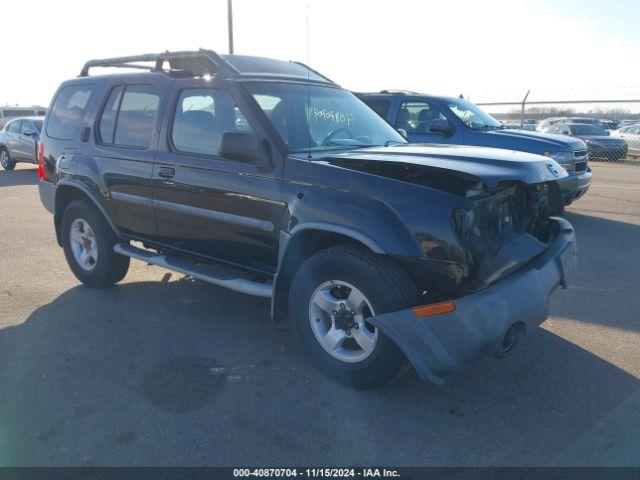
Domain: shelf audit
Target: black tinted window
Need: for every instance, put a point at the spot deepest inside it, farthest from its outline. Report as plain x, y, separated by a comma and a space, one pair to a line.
201, 117
108, 119
68, 109
381, 107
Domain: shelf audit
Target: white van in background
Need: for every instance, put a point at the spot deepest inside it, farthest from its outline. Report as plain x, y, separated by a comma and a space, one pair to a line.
7, 113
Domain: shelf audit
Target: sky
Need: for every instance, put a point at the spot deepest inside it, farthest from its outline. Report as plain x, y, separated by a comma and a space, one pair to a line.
487, 50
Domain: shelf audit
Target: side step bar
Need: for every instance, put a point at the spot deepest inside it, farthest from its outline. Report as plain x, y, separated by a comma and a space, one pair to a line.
206, 274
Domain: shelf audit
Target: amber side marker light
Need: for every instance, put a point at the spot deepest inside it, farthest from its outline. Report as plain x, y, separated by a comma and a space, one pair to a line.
434, 309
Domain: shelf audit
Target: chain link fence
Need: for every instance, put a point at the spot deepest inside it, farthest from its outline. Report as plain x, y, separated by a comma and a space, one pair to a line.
607, 120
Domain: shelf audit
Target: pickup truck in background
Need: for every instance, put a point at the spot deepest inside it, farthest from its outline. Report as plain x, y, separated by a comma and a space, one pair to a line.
448, 120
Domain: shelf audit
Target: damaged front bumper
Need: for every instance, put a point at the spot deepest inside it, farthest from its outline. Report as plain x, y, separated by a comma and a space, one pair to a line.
439, 345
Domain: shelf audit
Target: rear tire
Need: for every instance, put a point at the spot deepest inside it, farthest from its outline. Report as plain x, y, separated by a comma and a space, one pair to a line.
88, 240
5, 159
350, 272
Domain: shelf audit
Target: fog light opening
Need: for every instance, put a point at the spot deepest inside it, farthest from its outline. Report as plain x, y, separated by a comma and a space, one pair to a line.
512, 337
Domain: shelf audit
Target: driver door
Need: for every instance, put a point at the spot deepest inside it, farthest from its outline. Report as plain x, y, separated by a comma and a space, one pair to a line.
205, 204
414, 116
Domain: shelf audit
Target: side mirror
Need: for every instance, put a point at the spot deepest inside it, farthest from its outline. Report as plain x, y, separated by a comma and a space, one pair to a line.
30, 133
440, 125
403, 132
239, 147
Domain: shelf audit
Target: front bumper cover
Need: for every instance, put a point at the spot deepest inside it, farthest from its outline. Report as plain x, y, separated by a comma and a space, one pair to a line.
575, 185
439, 345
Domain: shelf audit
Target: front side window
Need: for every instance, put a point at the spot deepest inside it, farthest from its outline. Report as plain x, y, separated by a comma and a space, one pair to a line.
27, 127
68, 110
415, 117
472, 116
316, 118
201, 117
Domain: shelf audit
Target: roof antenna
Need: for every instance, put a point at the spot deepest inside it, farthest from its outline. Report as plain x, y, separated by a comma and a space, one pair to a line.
308, 88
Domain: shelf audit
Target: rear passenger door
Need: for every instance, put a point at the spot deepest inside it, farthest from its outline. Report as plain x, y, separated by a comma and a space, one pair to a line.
207, 205
126, 139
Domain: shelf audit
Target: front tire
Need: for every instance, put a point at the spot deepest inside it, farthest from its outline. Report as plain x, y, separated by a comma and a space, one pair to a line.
332, 295
5, 159
88, 240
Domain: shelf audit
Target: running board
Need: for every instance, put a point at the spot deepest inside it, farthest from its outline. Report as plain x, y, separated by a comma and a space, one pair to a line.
206, 274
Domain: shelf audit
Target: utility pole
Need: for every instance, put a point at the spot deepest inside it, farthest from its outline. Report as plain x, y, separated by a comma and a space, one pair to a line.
230, 27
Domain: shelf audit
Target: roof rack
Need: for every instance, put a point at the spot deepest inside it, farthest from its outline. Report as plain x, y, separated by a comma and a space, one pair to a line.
198, 63
403, 92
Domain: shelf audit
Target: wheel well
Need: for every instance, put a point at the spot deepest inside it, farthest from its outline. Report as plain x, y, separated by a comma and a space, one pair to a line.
65, 194
299, 248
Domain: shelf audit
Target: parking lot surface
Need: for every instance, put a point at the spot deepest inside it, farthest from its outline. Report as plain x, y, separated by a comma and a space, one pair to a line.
164, 370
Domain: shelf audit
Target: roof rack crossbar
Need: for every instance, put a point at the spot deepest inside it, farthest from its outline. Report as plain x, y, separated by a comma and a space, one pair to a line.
312, 70
216, 61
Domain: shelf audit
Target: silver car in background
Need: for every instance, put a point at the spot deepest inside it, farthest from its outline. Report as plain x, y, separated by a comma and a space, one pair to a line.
631, 135
19, 141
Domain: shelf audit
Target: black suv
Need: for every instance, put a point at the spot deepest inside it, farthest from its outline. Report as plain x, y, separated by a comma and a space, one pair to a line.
265, 177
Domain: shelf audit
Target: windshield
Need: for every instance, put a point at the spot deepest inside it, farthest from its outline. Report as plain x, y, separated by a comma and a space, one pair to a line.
472, 116
315, 118
38, 124
587, 129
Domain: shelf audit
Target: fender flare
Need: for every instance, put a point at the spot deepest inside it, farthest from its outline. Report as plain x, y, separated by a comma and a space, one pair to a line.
279, 298
93, 197
335, 228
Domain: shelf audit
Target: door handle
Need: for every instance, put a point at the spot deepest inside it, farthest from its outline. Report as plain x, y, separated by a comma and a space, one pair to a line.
166, 172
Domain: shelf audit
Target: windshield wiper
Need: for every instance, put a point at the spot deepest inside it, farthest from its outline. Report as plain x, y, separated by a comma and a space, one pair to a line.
487, 127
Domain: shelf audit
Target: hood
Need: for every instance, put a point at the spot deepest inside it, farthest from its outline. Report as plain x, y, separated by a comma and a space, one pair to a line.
476, 164
544, 141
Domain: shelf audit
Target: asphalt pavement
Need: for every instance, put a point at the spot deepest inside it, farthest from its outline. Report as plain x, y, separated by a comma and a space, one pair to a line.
165, 370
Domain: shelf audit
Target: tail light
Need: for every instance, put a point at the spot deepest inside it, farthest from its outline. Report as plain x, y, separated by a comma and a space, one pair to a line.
41, 174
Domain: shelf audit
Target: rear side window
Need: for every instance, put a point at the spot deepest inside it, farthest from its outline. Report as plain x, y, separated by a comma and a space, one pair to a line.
14, 127
381, 107
68, 110
129, 116
107, 127
200, 119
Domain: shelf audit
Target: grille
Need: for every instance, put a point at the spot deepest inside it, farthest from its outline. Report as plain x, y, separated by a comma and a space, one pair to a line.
580, 153
580, 166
